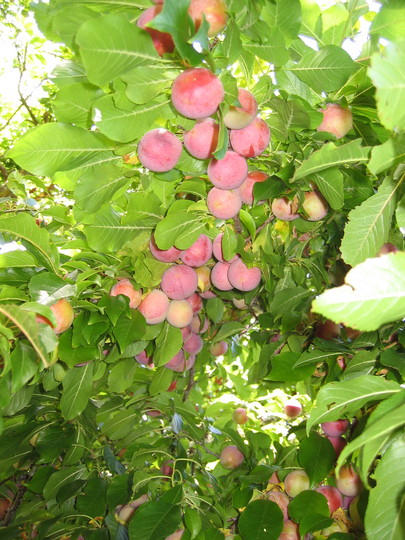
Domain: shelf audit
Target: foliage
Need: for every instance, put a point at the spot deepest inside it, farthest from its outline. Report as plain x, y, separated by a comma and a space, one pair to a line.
86, 429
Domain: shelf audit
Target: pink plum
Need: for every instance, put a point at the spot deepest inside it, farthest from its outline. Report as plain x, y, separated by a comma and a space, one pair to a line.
240, 416
243, 278
193, 343
295, 482
154, 306
159, 150
180, 313
315, 206
224, 204
338, 444
246, 189
348, 482
214, 12
231, 457
202, 139
197, 92
219, 276
292, 408
228, 172
179, 282
195, 302
333, 497
164, 255
290, 531
125, 287
336, 428
281, 500
336, 120
162, 41
240, 117
252, 140
285, 209
219, 348
198, 253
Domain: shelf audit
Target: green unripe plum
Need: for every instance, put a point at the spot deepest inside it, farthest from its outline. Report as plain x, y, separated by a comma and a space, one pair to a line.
315, 206
295, 482
240, 117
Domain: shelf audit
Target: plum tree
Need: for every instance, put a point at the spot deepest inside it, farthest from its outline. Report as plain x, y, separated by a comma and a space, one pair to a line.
240, 117
125, 287
336, 120
240, 416
154, 306
196, 93
64, 314
202, 139
179, 282
292, 408
214, 11
228, 172
159, 150
252, 140
315, 206
162, 41
231, 457
295, 482
224, 204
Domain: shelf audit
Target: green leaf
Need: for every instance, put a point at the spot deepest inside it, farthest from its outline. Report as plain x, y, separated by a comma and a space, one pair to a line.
161, 381
35, 239
387, 155
261, 520
286, 17
383, 518
248, 222
330, 184
331, 155
369, 225
338, 399
144, 83
283, 368
77, 389
373, 294
26, 323
53, 147
308, 503
325, 70
121, 375
126, 125
129, 329
227, 329
215, 309
288, 299
180, 229
387, 72
73, 103
127, 46
61, 478
17, 259
47, 288
389, 23
272, 49
23, 364
98, 186
317, 456
168, 344
193, 521
154, 521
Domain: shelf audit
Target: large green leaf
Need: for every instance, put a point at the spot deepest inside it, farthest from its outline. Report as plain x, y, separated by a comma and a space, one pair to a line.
144, 83
317, 456
338, 399
154, 521
369, 225
77, 389
111, 46
73, 103
389, 23
373, 294
331, 155
283, 16
330, 184
272, 49
325, 70
126, 125
388, 154
180, 229
261, 520
35, 239
387, 72
384, 518
168, 344
49, 148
